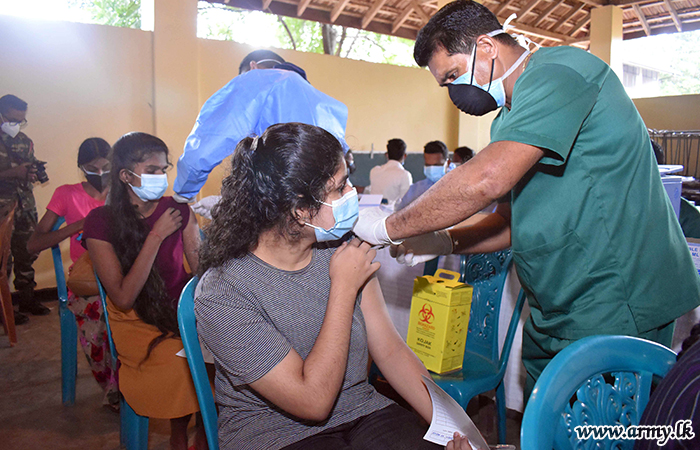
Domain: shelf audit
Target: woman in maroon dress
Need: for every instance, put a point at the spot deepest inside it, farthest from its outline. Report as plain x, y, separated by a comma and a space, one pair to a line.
137, 243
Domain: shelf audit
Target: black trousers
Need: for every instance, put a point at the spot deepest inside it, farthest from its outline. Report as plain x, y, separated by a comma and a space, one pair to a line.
391, 428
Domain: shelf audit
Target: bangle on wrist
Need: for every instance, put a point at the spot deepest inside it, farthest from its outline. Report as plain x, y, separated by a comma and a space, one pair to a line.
453, 242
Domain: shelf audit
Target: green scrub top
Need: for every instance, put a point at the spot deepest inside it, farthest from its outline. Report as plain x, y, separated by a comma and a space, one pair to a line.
690, 219
595, 241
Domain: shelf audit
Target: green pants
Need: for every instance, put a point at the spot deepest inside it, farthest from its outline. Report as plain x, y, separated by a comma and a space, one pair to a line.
539, 349
24, 225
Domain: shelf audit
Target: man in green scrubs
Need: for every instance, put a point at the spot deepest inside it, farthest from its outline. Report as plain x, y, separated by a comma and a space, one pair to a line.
595, 241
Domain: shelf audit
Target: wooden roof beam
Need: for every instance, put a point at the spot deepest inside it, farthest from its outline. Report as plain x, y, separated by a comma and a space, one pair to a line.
265, 4
371, 12
423, 15
527, 9
301, 7
337, 9
642, 19
566, 17
545, 34
502, 8
623, 3
581, 23
674, 15
547, 12
401, 18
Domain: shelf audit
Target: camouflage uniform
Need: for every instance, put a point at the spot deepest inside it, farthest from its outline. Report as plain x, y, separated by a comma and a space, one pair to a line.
14, 152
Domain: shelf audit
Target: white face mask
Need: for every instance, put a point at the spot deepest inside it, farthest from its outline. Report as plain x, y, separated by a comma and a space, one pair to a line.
10, 128
153, 186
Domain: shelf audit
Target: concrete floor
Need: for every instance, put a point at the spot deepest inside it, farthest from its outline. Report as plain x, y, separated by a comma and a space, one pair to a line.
32, 416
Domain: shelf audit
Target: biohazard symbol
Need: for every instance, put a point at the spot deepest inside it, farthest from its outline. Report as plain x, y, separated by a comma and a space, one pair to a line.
426, 314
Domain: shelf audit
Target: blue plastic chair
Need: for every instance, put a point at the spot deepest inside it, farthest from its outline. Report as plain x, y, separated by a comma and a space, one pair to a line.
69, 329
482, 368
187, 322
582, 371
133, 429
431, 266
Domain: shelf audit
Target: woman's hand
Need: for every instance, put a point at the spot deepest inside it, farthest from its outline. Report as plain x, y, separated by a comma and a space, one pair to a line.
351, 265
167, 224
458, 442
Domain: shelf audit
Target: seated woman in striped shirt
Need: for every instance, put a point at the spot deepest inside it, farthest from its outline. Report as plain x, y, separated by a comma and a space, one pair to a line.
292, 317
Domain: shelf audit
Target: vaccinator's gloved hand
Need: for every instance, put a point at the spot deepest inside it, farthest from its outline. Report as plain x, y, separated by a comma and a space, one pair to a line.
420, 249
371, 226
205, 205
180, 199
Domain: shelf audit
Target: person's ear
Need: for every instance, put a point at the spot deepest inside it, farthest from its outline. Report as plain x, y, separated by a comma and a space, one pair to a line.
302, 216
124, 176
487, 46
253, 65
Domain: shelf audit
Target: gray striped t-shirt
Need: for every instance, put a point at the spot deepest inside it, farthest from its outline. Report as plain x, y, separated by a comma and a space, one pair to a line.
250, 315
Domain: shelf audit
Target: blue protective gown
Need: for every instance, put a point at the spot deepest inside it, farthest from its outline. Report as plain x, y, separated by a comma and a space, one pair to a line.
246, 106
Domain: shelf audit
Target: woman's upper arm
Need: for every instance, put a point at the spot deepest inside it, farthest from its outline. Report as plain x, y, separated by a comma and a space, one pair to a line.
106, 264
191, 240
47, 222
382, 337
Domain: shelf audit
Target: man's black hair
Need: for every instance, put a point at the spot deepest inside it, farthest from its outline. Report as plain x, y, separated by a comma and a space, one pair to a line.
455, 28
396, 149
8, 102
436, 147
464, 153
658, 152
258, 55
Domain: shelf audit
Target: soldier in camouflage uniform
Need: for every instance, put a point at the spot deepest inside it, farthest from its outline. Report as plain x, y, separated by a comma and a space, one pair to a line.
17, 173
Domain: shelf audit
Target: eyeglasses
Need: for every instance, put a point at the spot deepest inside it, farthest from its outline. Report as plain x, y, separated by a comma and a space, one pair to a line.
21, 123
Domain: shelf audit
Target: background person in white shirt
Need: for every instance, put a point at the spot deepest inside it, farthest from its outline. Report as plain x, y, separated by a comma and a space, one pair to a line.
391, 180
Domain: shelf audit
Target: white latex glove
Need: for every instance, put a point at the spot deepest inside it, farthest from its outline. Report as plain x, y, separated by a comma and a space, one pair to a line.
180, 199
420, 249
205, 205
371, 226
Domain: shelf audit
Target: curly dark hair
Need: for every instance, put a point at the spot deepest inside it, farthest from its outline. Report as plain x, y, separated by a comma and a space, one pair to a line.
129, 231
272, 176
455, 28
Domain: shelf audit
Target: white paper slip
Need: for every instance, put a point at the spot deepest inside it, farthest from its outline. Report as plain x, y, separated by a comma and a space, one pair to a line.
370, 200
206, 354
449, 417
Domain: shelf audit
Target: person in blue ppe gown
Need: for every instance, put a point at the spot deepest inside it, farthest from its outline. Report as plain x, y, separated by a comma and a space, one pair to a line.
246, 106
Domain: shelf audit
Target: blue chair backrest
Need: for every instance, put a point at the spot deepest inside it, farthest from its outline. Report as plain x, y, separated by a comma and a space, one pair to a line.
430, 267
582, 370
58, 267
103, 299
187, 322
486, 272
69, 328
133, 432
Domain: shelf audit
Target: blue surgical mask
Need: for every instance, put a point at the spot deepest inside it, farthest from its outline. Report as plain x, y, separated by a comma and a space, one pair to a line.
153, 186
434, 173
345, 212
